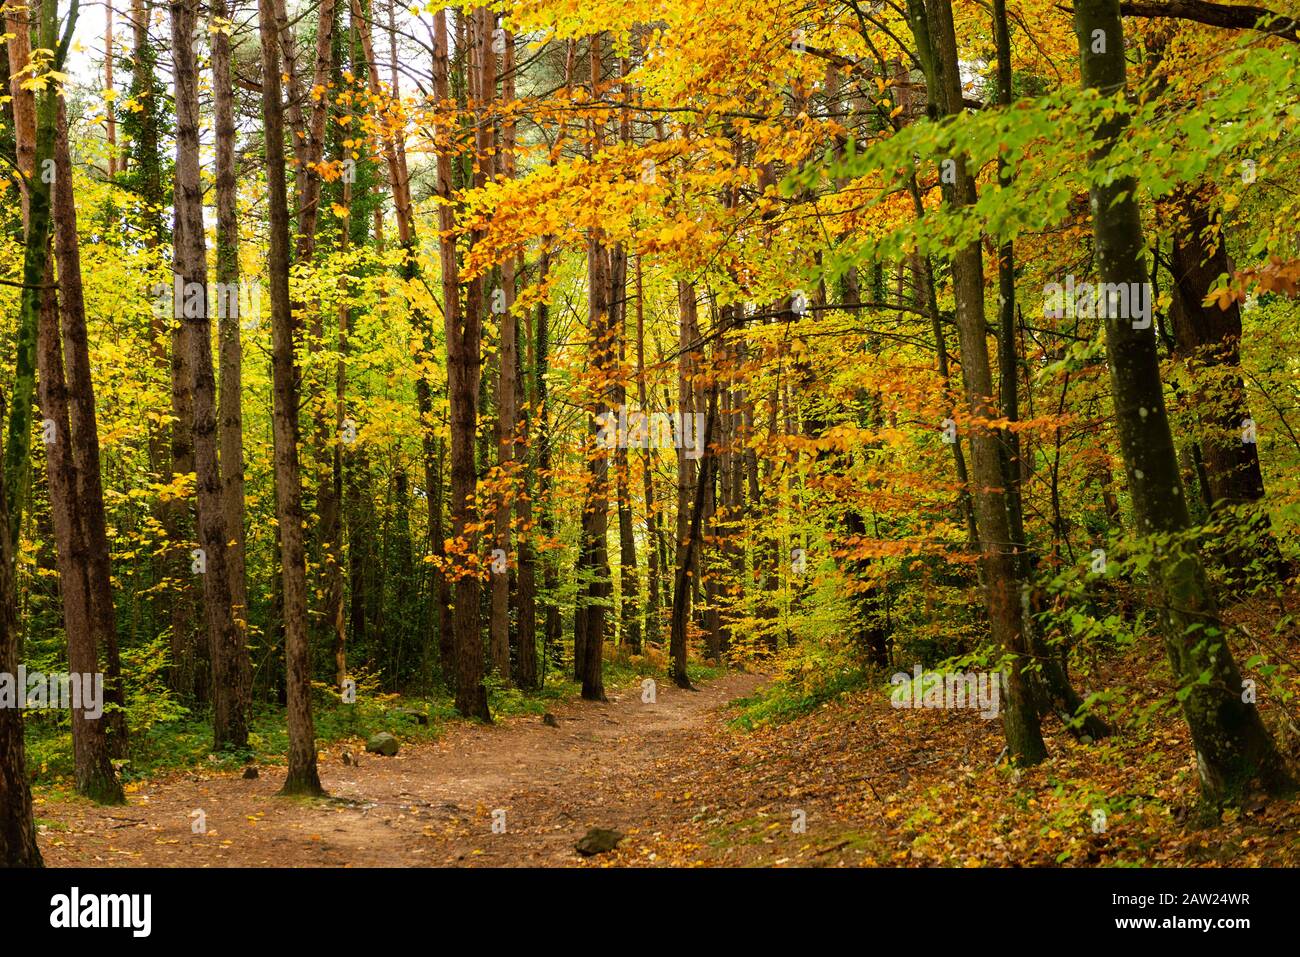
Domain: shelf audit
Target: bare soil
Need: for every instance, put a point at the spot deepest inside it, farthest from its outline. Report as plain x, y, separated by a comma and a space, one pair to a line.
624, 765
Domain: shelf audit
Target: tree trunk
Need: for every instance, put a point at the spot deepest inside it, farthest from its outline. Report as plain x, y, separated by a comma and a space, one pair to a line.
18, 846
85, 440
462, 333
1208, 337
230, 360
302, 777
936, 40
552, 629
1233, 749
681, 586
226, 645
1054, 684
654, 533
91, 756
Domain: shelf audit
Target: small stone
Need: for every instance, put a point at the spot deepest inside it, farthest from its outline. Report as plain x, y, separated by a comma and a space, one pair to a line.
597, 841
382, 743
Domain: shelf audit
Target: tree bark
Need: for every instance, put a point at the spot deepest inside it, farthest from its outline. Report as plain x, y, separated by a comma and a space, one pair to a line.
462, 332
231, 360
1208, 337
18, 846
226, 645
1233, 749
302, 776
84, 439
932, 26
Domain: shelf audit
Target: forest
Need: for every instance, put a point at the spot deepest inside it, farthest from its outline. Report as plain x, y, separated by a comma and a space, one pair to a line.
555, 433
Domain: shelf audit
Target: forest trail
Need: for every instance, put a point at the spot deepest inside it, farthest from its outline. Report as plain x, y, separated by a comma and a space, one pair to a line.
624, 765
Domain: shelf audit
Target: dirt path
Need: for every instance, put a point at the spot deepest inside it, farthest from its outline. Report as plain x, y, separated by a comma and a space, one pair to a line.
624, 765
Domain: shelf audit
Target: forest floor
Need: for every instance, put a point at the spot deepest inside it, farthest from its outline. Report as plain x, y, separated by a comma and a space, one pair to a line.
851, 782
623, 765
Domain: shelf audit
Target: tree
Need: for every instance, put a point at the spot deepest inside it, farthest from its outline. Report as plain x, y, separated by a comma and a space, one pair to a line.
1233, 749
462, 333
932, 27
302, 777
228, 651
17, 828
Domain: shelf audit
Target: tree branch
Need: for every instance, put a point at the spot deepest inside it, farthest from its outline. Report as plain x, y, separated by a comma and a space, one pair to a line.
1217, 15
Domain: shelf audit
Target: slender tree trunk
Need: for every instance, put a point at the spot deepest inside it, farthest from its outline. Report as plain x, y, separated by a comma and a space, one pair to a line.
515, 416
552, 634
1056, 691
85, 440
332, 487
593, 561
629, 609
654, 532
936, 40
91, 755
18, 846
690, 545
302, 777
229, 319
507, 358
191, 652
1233, 748
226, 645
462, 331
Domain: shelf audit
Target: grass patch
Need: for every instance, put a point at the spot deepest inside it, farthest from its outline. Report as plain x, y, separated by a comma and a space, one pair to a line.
790, 697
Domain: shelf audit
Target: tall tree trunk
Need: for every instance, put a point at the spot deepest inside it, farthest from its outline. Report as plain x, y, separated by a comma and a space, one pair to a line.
594, 584
629, 608
552, 629
331, 499
18, 846
654, 532
1233, 749
525, 657
85, 439
1056, 691
462, 331
231, 360
226, 645
302, 777
191, 651
688, 335
507, 356
91, 756
932, 26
